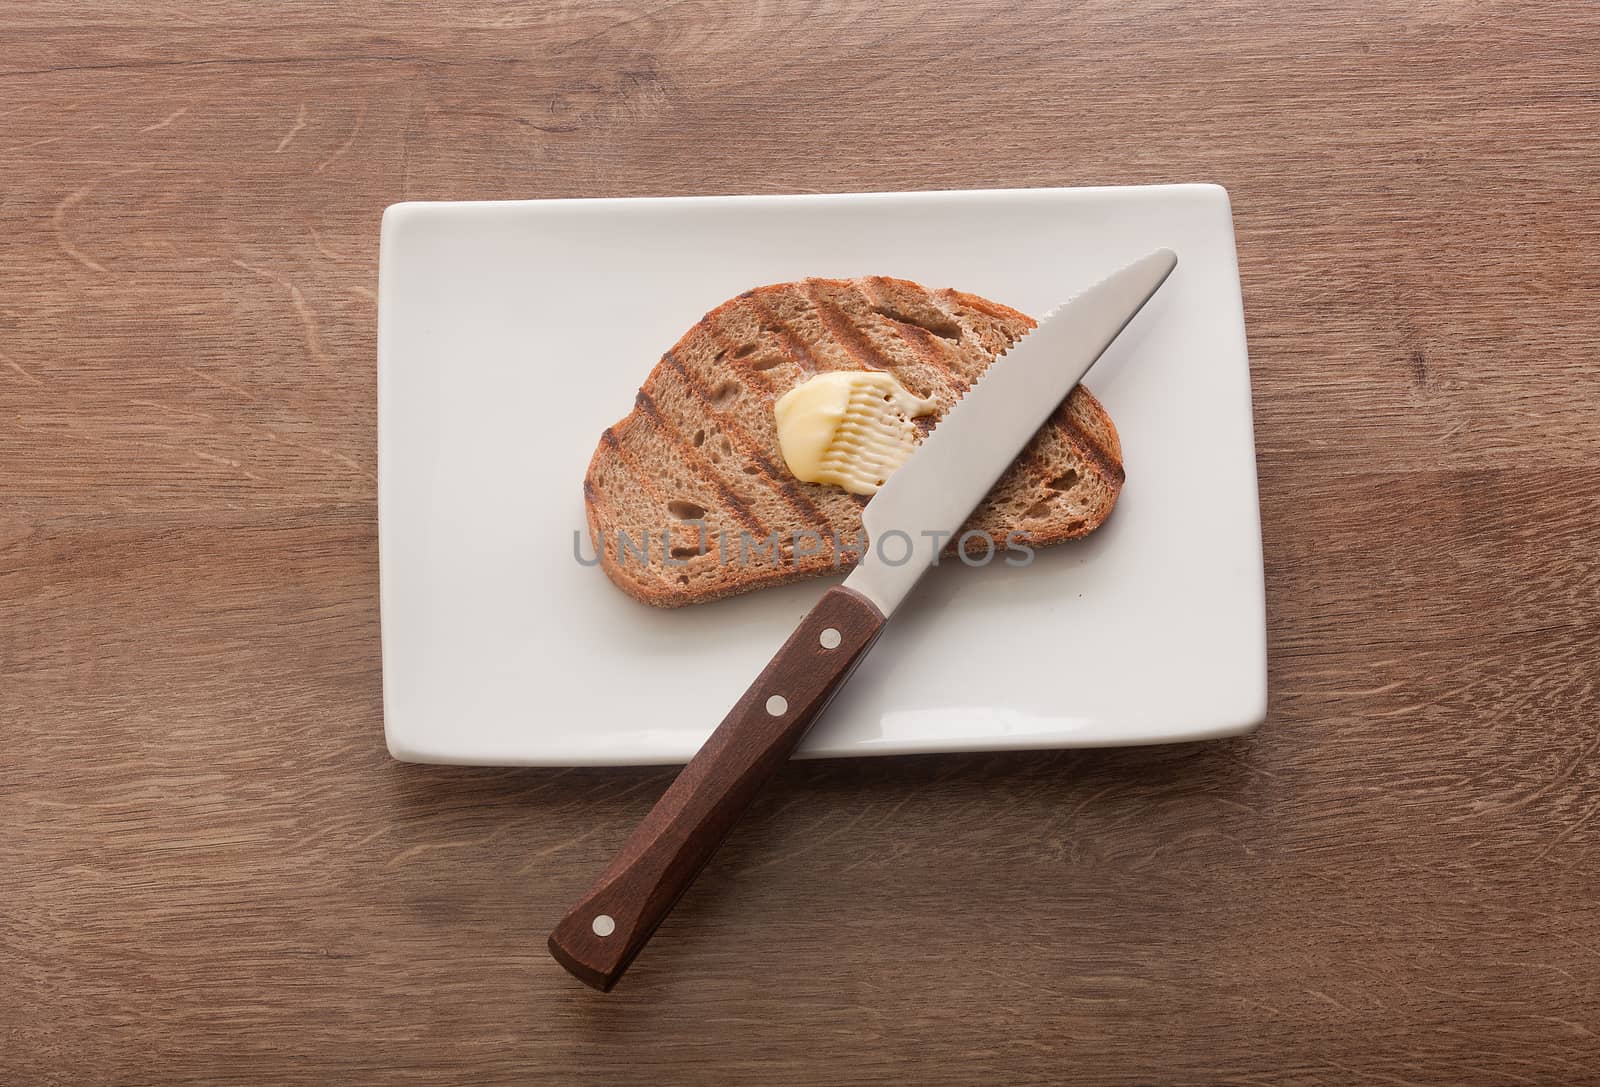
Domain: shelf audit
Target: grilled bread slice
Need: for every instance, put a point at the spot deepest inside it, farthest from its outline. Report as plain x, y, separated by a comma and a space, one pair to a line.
688, 497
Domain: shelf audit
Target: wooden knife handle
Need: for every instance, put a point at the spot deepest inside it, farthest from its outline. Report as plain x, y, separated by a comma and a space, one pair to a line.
601, 935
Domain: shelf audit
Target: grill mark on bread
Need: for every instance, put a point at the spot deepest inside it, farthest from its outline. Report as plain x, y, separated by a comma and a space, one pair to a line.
923, 343
996, 328
736, 505
631, 578
1080, 439
1004, 314
1084, 444
926, 345
624, 457
845, 332
920, 339
593, 498
1106, 454
755, 378
876, 288
593, 507
782, 479
748, 448
1031, 463
790, 345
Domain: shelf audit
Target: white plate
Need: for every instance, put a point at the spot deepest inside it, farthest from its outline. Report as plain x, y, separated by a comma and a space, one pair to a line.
510, 334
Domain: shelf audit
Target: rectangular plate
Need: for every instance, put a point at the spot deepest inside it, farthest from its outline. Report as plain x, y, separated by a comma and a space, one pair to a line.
510, 334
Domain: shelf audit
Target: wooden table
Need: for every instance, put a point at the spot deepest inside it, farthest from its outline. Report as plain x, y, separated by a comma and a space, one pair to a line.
215, 874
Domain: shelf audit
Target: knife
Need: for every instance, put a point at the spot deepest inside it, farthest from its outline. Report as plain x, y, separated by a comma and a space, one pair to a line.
923, 503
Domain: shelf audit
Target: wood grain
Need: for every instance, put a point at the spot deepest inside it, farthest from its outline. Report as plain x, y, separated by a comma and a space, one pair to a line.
214, 874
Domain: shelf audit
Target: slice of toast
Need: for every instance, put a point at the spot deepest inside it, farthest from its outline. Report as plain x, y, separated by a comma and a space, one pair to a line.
685, 494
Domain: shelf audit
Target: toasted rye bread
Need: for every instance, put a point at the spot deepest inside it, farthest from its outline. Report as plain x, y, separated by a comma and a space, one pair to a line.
697, 461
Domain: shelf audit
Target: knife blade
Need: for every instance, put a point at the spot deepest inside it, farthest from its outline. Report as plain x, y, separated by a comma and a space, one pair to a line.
924, 502
930, 496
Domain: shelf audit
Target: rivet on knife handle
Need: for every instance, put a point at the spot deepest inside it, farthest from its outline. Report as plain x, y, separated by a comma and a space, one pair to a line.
600, 936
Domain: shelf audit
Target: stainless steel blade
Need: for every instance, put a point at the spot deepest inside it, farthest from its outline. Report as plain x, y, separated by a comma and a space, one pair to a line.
929, 497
